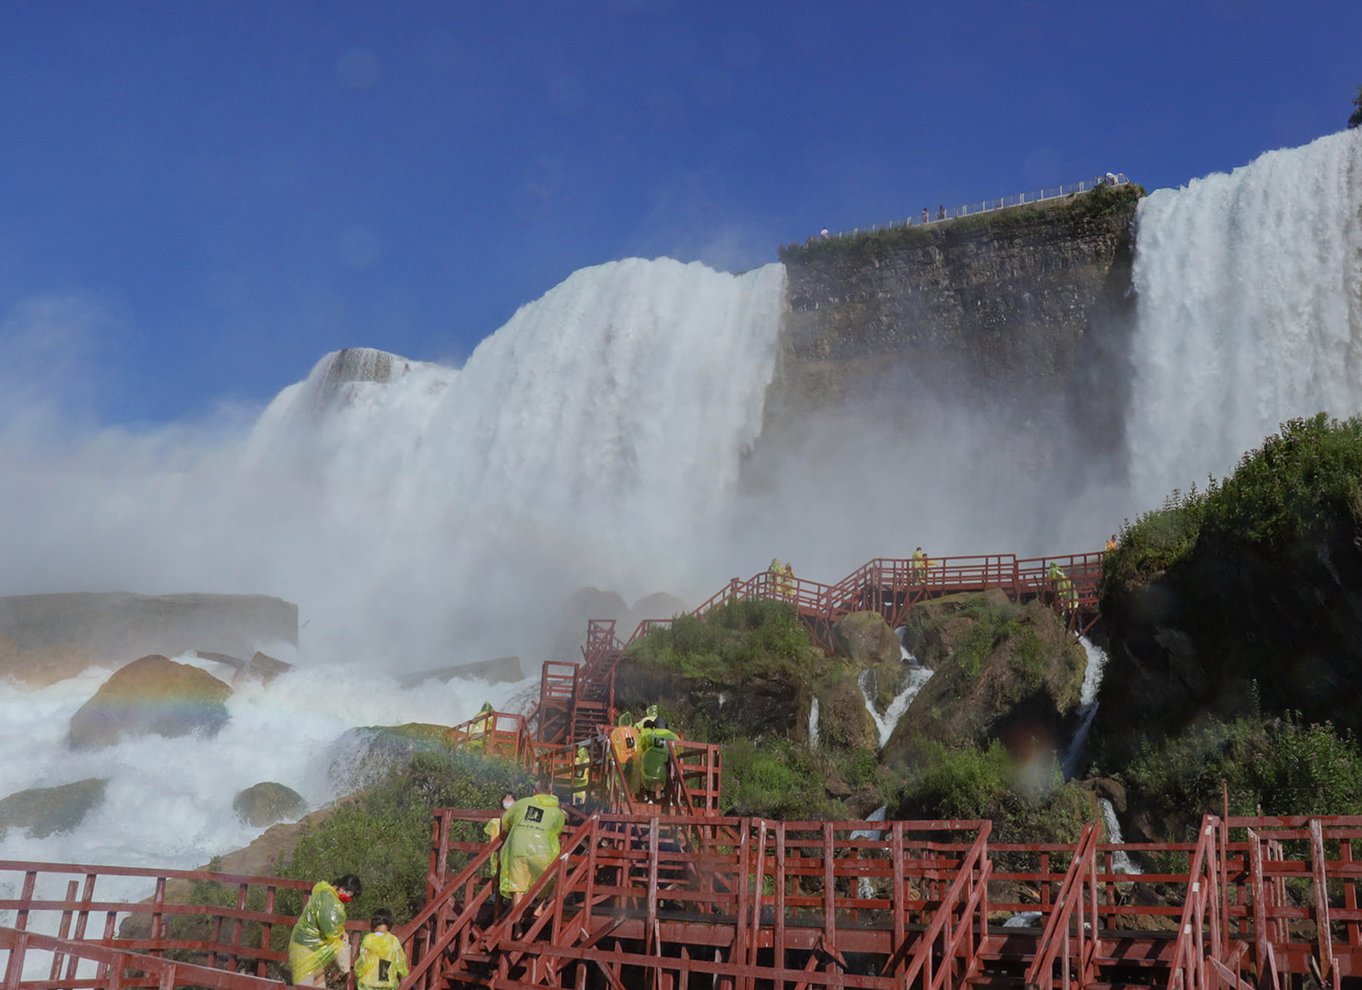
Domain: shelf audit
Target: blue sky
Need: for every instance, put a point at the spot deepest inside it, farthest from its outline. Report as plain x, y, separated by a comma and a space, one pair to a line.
210, 196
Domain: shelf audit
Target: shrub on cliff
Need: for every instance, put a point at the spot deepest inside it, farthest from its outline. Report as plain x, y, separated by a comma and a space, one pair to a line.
1298, 483
1029, 803
1281, 766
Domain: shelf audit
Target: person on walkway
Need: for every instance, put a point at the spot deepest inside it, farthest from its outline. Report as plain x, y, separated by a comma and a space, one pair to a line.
581, 775
318, 938
653, 760
941, 213
1111, 543
477, 732
649, 717
926, 217
787, 580
1065, 592
532, 826
493, 829
917, 566
382, 963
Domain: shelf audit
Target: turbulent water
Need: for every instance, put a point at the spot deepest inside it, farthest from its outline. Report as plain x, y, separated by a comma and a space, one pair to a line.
423, 515
1249, 310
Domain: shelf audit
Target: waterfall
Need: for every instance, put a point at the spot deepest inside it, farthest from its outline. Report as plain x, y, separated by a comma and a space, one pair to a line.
1087, 706
813, 723
1249, 300
1120, 861
884, 724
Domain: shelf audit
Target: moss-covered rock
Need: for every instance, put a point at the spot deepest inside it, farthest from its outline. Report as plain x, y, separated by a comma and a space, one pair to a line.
364, 755
45, 810
1001, 672
268, 802
151, 696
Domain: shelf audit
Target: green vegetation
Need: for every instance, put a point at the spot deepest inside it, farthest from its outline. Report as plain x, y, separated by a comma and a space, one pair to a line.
1025, 803
736, 641
758, 656
1290, 489
1102, 203
1281, 766
383, 833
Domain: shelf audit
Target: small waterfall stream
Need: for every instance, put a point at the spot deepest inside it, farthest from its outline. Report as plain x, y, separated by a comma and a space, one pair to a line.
1120, 860
813, 723
884, 724
1087, 706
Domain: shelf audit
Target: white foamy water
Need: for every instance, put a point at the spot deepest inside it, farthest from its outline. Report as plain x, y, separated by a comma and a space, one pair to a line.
1120, 860
425, 515
169, 801
884, 724
1087, 706
1250, 310
814, 737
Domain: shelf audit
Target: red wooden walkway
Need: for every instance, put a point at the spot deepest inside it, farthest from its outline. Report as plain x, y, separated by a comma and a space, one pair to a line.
575, 699
689, 902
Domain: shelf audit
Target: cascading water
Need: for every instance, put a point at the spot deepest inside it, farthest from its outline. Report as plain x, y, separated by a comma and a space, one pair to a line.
914, 677
1087, 706
813, 724
1120, 860
1249, 310
421, 516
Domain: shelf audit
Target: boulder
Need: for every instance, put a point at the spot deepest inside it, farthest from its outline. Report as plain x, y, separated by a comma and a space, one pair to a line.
45, 638
268, 802
266, 668
45, 810
865, 639
569, 627
658, 605
843, 722
361, 756
1001, 671
152, 695
501, 670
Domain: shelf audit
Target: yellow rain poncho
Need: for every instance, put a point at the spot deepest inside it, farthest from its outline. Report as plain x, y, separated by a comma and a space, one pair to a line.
1064, 585
382, 963
318, 937
651, 765
492, 829
532, 826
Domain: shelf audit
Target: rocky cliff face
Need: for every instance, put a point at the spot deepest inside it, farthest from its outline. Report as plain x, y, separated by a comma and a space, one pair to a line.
44, 638
1003, 312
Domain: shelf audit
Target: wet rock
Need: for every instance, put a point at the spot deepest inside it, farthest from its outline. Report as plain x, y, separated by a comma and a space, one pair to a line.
45, 810
865, 639
268, 802
363, 755
151, 696
1001, 671
45, 638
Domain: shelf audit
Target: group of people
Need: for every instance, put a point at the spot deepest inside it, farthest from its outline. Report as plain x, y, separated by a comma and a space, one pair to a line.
640, 748
783, 576
318, 940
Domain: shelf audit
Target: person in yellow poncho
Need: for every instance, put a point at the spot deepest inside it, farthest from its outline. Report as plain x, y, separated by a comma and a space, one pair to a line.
649, 777
318, 938
382, 963
532, 826
1063, 585
493, 828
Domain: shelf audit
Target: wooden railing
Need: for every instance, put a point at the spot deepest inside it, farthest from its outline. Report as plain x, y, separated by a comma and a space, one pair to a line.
1071, 937
223, 920
113, 967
